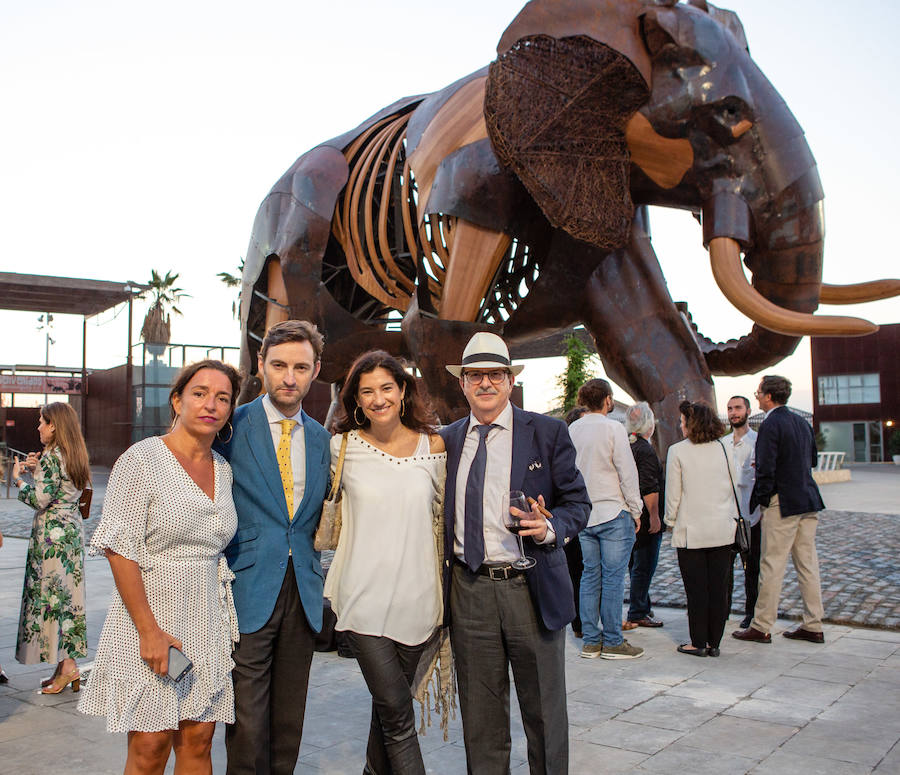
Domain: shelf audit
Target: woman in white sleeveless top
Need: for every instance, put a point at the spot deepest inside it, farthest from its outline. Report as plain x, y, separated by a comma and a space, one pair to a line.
384, 581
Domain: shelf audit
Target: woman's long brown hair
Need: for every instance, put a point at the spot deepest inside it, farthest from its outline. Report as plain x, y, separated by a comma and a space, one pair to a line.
67, 436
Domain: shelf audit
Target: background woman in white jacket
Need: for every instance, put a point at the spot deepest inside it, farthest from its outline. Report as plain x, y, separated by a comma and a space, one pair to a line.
701, 511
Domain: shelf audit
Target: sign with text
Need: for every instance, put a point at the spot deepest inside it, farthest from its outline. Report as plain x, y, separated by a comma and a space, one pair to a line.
35, 383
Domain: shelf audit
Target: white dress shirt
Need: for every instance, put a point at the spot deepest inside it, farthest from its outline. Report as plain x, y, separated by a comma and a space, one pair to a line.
298, 445
603, 455
500, 546
743, 460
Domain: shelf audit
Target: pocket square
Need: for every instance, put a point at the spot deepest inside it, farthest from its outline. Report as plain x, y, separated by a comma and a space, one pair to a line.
534, 464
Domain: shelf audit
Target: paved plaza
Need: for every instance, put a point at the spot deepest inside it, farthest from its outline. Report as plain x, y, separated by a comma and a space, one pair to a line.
789, 707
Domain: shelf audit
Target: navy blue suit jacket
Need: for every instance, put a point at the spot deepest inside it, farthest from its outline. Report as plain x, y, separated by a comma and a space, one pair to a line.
258, 553
543, 463
785, 456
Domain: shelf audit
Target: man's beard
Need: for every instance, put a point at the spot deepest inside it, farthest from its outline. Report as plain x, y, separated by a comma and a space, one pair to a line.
740, 423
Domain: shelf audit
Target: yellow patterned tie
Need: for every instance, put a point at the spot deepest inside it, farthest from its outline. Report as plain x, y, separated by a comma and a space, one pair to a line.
284, 464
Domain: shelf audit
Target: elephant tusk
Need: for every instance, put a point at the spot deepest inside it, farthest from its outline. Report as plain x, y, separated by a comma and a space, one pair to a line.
859, 293
725, 258
741, 128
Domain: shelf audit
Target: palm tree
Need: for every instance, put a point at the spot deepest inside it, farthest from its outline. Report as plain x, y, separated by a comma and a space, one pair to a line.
166, 296
234, 281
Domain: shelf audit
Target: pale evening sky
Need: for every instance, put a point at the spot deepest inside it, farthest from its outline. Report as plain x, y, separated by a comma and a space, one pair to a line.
145, 136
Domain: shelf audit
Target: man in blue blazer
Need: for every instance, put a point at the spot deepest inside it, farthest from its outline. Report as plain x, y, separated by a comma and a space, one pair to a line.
785, 456
281, 464
499, 615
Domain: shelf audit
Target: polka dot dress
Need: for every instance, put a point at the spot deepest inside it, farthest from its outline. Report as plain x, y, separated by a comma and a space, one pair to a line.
157, 516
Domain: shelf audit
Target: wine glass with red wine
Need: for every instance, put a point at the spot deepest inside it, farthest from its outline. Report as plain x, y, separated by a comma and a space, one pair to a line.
517, 500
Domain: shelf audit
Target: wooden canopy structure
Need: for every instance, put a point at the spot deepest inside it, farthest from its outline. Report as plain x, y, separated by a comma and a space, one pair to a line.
64, 295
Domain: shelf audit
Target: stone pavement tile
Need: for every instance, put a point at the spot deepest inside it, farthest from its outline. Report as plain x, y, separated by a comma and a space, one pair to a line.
585, 715
771, 710
845, 742
618, 692
589, 759
678, 758
832, 674
343, 757
31, 720
888, 636
890, 764
739, 736
631, 737
668, 669
835, 659
884, 673
62, 751
708, 691
802, 691
871, 694
783, 763
668, 711
863, 647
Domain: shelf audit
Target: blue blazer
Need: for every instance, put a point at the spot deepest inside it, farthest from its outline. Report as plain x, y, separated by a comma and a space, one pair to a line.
785, 456
258, 553
543, 463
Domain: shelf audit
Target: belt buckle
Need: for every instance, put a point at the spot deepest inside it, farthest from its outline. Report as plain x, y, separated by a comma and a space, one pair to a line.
499, 574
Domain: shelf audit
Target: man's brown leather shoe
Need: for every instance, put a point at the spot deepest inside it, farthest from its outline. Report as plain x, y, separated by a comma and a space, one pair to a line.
801, 634
752, 634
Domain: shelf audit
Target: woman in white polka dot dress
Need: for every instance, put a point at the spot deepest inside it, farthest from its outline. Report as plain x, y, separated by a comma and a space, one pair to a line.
167, 517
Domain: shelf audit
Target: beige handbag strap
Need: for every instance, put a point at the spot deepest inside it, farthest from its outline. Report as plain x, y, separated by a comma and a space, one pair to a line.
339, 470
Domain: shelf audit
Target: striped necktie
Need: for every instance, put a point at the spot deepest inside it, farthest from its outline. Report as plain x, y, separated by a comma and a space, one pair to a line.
473, 536
284, 464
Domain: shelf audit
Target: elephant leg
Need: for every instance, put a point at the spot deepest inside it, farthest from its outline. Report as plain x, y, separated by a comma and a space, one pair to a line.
644, 342
475, 256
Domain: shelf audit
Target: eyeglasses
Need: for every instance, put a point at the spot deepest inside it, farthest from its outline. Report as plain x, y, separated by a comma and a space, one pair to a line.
476, 377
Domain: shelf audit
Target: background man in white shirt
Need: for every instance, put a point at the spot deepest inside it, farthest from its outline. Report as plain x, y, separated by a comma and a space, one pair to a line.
741, 443
605, 460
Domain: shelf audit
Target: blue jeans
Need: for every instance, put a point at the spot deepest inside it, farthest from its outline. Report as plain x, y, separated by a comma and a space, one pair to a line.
606, 549
644, 558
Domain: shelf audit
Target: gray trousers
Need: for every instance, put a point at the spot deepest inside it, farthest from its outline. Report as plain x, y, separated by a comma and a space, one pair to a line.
494, 626
271, 674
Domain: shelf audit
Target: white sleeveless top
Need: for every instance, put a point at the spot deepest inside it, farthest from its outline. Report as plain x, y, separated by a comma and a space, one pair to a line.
383, 579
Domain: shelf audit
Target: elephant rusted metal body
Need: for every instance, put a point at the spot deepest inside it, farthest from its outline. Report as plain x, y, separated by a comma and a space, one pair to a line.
515, 200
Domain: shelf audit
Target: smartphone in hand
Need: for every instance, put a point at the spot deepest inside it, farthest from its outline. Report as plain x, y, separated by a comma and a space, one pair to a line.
179, 664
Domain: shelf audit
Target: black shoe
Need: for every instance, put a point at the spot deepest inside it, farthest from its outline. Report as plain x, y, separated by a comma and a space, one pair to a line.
712, 651
687, 648
801, 634
745, 622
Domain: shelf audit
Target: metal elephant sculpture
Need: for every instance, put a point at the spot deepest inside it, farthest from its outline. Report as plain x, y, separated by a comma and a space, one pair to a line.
515, 200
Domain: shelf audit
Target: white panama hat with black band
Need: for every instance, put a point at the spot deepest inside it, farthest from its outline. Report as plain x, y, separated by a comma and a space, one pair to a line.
485, 351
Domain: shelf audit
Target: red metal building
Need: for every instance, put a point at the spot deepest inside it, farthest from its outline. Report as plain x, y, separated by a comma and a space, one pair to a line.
856, 392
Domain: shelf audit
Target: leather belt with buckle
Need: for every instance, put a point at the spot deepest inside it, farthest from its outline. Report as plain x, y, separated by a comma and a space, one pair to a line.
495, 572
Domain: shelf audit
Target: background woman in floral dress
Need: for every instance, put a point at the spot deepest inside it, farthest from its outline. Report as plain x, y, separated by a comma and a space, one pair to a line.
52, 625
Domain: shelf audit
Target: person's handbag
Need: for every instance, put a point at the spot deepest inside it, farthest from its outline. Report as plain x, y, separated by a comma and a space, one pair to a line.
329, 530
742, 529
84, 502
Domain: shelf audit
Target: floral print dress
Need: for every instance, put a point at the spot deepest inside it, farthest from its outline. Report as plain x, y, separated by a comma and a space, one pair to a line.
52, 624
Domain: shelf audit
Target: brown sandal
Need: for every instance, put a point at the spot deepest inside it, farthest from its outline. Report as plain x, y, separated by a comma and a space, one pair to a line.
626, 625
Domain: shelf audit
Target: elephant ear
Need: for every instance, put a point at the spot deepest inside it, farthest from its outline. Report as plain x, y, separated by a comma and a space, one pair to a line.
556, 111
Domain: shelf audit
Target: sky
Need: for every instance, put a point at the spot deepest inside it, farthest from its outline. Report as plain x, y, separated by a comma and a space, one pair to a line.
141, 137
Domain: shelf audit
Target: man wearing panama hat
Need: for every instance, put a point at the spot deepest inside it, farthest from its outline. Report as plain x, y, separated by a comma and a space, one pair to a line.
501, 615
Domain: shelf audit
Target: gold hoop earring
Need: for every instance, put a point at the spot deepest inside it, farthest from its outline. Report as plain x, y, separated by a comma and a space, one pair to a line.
174, 423
230, 432
402, 408
359, 422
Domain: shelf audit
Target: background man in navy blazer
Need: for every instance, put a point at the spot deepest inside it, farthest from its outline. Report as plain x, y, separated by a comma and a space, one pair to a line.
785, 456
501, 616
281, 464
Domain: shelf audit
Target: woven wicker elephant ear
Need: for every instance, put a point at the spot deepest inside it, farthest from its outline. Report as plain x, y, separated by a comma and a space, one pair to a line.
556, 111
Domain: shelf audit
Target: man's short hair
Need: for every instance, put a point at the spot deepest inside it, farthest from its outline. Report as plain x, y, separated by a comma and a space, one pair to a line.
293, 331
741, 398
593, 393
779, 388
